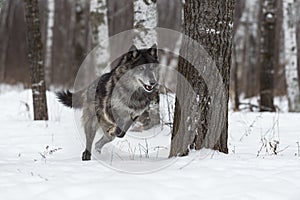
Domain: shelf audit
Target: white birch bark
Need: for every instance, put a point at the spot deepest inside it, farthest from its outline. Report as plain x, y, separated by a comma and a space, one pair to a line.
290, 51
145, 22
49, 41
100, 32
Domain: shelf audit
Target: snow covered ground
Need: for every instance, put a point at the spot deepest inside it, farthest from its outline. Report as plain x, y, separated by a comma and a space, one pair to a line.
41, 160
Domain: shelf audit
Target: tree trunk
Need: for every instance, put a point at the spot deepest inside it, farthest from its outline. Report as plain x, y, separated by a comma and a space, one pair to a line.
169, 15
268, 15
49, 40
35, 58
63, 70
235, 80
240, 7
298, 37
6, 23
99, 23
208, 22
290, 50
80, 40
145, 22
120, 18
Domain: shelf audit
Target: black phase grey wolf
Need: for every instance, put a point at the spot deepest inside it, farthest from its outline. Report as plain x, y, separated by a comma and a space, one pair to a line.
116, 99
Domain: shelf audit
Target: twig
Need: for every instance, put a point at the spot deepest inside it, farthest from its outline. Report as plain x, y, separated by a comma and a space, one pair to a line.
298, 146
248, 131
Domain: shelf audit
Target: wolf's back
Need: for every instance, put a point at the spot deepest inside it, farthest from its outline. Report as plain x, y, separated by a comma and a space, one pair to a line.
69, 99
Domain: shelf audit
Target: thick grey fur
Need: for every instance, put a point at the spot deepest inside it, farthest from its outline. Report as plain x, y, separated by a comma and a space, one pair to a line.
116, 99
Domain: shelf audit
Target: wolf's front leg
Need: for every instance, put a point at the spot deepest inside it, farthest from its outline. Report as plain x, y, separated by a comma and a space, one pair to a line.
122, 128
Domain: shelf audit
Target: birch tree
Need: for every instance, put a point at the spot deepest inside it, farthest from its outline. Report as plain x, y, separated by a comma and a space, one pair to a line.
298, 36
145, 22
35, 47
290, 52
49, 40
209, 23
99, 23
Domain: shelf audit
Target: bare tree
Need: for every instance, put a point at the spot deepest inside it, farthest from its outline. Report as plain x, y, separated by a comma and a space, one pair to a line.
145, 22
120, 18
49, 40
99, 23
7, 11
170, 14
208, 22
35, 58
268, 15
290, 51
298, 36
81, 31
240, 6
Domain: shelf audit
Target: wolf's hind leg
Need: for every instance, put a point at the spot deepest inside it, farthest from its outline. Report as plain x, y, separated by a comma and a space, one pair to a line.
90, 130
106, 138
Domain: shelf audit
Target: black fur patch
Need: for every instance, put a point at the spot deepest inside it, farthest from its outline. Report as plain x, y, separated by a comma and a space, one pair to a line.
65, 97
69, 99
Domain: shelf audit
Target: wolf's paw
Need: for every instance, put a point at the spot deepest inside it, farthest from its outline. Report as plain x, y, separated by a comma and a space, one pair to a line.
86, 155
120, 133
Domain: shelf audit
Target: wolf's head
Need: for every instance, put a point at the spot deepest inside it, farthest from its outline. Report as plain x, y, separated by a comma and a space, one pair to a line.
141, 66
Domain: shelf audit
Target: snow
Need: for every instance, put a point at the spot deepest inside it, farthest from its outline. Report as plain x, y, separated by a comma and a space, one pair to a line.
41, 160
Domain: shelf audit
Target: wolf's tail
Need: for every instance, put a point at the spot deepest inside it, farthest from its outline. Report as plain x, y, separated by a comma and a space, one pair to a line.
69, 99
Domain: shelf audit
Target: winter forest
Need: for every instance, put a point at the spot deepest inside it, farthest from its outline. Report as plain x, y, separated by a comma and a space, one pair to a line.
150, 99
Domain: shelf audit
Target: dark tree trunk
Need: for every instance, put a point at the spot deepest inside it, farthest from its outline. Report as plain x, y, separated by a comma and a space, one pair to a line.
235, 80
298, 38
35, 47
13, 42
120, 18
71, 40
63, 72
6, 23
208, 22
268, 14
239, 9
81, 37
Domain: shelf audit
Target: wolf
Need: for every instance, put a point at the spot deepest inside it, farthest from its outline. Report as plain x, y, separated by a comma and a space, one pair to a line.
114, 101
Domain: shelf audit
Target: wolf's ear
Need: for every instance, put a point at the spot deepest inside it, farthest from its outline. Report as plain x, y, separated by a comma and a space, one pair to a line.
133, 51
153, 51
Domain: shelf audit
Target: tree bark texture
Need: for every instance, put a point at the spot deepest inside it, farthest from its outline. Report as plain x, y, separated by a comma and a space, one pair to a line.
35, 58
120, 18
99, 25
210, 23
290, 50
